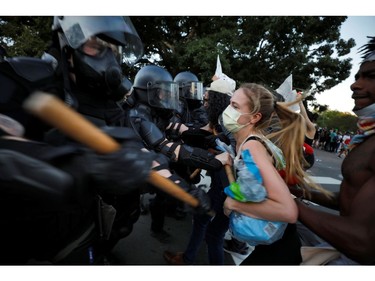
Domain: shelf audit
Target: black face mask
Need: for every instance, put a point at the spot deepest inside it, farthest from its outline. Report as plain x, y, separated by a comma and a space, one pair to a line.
100, 75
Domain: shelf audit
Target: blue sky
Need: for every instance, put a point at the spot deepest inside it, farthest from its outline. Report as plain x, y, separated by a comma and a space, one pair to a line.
356, 27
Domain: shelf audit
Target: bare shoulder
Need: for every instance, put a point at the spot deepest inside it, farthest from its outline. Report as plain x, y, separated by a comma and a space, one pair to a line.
257, 150
254, 145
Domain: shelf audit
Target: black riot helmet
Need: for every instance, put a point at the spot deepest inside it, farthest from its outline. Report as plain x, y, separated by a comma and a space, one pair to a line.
98, 45
153, 85
190, 86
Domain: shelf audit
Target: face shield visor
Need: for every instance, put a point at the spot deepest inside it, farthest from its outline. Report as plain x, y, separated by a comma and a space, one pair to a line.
163, 95
116, 30
192, 91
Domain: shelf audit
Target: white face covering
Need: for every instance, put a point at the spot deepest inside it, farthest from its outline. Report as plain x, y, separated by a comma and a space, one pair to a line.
366, 111
230, 119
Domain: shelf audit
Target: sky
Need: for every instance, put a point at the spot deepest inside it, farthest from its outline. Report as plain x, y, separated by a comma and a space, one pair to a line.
356, 27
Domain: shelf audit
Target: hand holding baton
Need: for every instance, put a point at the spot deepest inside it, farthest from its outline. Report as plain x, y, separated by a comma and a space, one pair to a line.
58, 114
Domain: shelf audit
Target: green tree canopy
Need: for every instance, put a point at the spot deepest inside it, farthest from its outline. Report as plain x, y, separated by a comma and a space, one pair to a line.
25, 36
261, 49
333, 119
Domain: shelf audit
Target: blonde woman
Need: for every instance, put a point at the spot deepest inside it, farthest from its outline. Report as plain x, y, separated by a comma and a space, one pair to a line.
247, 117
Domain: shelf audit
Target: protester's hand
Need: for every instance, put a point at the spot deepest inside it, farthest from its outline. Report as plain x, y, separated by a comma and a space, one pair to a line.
224, 158
228, 206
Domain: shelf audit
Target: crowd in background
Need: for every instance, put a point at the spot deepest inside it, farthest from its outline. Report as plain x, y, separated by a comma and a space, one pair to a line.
332, 140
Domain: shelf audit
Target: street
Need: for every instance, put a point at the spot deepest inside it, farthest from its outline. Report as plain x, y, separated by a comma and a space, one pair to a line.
139, 248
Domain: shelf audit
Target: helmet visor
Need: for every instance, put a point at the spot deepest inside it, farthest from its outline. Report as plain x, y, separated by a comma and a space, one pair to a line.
118, 30
163, 95
192, 91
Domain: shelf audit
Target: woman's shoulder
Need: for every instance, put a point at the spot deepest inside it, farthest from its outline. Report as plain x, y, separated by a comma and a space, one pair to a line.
256, 145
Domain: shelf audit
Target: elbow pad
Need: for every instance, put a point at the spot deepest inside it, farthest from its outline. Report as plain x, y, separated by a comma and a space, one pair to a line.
198, 158
151, 134
155, 139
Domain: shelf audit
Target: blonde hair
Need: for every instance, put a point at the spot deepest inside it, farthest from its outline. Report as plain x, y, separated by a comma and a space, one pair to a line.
289, 138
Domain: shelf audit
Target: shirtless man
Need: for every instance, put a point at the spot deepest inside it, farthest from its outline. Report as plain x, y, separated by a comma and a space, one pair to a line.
352, 232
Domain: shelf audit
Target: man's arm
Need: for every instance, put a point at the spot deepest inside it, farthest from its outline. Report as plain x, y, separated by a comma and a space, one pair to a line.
317, 197
352, 234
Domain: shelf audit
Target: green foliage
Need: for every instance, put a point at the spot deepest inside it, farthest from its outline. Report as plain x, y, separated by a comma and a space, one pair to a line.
261, 49
343, 121
25, 36
258, 49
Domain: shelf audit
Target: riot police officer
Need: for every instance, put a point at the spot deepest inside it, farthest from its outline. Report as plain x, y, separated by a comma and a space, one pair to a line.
82, 67
191, 110
155, 97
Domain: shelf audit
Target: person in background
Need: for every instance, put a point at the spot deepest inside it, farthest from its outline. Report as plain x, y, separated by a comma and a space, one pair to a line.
191, 110
344, 148
308, 151
192, 114
332, 140
205, 228
317, 137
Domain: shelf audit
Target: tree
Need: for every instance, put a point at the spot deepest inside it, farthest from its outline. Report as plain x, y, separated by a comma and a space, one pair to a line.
261, 49
25, 36
343, 121
253, 49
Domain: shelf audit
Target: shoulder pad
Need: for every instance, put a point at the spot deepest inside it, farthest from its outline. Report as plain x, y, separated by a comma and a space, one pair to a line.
31, 69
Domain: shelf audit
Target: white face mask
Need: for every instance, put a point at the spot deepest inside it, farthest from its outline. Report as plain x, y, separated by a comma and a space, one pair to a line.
230, 119
366, 111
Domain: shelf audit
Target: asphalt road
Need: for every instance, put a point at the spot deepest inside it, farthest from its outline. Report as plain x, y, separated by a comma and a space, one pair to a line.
139, 248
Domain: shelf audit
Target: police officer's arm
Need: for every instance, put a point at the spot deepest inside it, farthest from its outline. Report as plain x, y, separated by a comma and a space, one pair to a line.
190, 156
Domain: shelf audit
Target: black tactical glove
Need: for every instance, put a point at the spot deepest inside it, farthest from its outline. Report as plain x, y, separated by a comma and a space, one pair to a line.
204, 201
210, 141
121, 172
204, 206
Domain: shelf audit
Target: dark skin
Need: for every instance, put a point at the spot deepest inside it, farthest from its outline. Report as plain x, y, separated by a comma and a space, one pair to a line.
352, 232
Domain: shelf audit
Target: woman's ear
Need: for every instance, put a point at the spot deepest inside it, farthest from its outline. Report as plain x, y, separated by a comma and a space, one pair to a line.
256, 118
